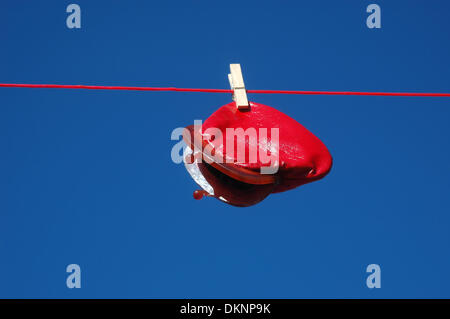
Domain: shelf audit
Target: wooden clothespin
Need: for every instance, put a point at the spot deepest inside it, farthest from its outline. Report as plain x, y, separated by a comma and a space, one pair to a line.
237, 85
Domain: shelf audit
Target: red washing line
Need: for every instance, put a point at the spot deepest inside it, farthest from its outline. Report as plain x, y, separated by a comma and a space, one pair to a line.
134, 88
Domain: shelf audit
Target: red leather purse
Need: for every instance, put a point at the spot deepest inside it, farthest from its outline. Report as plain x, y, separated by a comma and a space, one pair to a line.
238, 178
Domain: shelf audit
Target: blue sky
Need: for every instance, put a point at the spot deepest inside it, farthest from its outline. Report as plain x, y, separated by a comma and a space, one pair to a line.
86, 176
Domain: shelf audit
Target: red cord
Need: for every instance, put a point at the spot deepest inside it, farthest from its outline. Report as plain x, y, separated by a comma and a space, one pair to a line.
348, 93
134, 88
97, 87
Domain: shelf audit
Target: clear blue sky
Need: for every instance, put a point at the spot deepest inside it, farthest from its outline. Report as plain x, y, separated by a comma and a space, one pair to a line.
86, 176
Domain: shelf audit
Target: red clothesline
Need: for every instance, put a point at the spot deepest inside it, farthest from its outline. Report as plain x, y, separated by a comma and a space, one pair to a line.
136, 88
